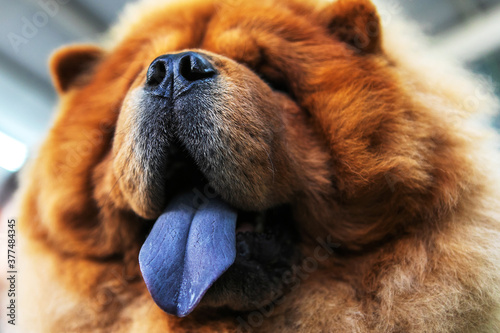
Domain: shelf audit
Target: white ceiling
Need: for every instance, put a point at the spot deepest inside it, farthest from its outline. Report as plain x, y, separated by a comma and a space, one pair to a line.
26, 94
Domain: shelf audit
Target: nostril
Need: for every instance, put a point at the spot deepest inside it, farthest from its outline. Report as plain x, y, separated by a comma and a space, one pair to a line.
174, 71
156, 73
193, 67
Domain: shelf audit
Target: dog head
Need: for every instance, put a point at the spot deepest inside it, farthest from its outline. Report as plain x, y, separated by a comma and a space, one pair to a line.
287, 114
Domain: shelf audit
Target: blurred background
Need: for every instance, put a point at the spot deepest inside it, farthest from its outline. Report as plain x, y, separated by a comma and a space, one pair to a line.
32, 29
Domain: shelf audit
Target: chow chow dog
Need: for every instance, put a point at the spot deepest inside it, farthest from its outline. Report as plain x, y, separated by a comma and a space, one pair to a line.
272, 166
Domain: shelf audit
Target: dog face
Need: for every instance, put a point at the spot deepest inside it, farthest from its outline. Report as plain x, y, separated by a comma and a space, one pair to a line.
287, 112
237, 144
200, 120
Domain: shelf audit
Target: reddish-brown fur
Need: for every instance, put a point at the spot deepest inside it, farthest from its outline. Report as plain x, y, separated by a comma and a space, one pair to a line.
371, 166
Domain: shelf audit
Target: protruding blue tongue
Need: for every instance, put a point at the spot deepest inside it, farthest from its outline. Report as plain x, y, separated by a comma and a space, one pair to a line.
189, 247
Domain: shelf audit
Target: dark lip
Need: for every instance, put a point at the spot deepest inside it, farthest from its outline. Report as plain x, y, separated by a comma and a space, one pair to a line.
263, 260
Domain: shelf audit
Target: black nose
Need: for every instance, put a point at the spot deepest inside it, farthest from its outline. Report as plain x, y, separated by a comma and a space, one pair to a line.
177, 69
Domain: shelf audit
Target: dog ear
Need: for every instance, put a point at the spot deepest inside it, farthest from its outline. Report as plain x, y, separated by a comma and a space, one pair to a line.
69, 65
355, 22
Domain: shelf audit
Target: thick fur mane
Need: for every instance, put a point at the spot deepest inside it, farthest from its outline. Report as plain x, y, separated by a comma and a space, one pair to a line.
421, 227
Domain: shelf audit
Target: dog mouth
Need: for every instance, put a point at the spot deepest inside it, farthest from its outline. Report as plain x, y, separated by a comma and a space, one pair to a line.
203, 251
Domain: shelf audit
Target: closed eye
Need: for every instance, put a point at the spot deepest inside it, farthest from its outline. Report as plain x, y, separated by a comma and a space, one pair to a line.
275, 80
278, 85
